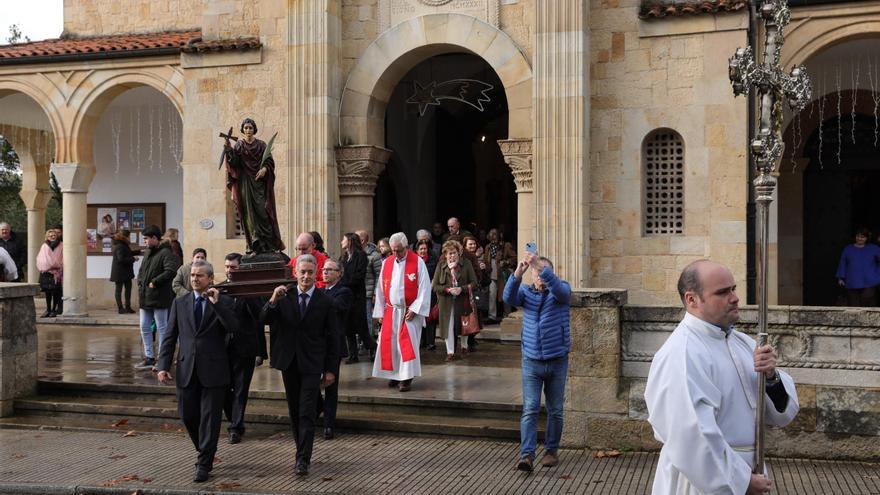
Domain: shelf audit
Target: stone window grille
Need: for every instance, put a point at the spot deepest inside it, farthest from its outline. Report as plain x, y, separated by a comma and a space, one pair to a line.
663, 183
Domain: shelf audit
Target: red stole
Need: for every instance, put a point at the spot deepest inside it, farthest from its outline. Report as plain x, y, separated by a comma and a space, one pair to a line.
410, 292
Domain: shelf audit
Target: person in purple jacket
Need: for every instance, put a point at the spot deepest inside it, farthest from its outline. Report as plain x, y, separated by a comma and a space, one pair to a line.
859, 270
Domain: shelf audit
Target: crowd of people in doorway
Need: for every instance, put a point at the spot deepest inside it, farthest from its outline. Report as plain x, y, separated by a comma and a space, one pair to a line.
858, 272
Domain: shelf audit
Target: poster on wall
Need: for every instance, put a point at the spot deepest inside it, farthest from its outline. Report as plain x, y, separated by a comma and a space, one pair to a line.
138, 219
91, 238
106, 222
123, 220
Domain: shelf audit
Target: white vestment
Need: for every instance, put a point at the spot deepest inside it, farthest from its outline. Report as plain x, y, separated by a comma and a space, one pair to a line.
421, 307
701, 404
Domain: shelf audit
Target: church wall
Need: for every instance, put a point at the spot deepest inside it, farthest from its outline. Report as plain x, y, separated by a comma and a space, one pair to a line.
103, 17
655, 74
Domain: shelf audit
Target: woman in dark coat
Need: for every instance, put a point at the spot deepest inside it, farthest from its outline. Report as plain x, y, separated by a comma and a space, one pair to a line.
424, 248
451, 280
122, 270
354, 261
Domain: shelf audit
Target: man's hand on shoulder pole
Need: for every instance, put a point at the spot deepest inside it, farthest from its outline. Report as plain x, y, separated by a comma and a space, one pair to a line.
759, 485
277, 294
765, 361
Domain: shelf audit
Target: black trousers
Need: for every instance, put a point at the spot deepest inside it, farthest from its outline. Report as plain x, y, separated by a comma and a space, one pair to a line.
119, 286
53, 300
201, 409
861, 297
329, 402
242, 371
301, 391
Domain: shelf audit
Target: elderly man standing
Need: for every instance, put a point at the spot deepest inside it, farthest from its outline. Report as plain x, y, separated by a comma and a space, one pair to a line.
16, 249
701, 392
455, 231
403, 301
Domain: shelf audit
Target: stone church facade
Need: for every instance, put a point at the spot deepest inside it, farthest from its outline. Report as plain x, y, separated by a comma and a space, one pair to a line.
625, 143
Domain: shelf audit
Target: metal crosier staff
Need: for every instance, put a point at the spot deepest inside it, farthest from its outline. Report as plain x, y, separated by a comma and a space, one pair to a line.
772, 85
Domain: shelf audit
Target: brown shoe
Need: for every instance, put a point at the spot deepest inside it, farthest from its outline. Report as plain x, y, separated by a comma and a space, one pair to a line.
525, 464
404, 385
450, 358
550, 459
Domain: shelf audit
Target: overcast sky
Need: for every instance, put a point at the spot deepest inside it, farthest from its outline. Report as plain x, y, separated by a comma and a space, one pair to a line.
37, 19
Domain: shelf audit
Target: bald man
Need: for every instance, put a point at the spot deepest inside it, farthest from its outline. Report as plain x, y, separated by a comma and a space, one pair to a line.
305, 244
701, 392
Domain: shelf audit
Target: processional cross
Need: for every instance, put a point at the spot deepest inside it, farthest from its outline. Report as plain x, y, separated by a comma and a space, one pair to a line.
772, 85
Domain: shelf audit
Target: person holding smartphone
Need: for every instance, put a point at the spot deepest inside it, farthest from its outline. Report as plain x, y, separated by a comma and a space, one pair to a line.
546, 342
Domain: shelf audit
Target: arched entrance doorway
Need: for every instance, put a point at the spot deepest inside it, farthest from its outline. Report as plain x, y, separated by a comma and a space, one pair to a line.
442, 123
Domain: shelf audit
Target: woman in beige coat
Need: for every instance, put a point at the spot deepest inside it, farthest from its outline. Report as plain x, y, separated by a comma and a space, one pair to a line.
452, 278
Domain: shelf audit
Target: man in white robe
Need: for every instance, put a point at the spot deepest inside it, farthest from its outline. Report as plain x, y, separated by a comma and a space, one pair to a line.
403, 277
701, 393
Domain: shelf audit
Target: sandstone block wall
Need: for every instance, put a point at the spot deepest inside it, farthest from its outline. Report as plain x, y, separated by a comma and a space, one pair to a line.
103, 17
18, 344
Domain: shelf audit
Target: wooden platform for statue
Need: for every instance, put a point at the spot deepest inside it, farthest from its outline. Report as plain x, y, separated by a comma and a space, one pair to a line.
257, 279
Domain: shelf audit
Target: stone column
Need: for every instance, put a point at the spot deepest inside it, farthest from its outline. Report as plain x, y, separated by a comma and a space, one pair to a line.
315, 86
74, 180
561, 117
35, 202
518, 156
592, 393
357, 168
18, 343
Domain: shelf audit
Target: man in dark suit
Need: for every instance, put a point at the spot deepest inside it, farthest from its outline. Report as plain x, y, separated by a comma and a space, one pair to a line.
247, 349
305, 348
342, 303
200, 321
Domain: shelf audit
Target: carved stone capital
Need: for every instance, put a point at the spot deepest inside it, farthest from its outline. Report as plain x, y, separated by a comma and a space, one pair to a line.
518, 156
358, 167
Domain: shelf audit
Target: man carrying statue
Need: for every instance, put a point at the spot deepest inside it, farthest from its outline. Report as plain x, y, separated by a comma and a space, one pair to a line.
250, 177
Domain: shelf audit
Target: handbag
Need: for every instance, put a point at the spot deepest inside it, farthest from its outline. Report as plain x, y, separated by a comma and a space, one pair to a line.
481, 299
47, 281
434, 314
470, 322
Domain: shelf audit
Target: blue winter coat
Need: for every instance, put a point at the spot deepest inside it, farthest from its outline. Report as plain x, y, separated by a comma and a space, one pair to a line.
545, 326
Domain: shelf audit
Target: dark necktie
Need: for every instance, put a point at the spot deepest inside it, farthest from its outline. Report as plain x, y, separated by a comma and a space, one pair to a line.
303, 300
199, 311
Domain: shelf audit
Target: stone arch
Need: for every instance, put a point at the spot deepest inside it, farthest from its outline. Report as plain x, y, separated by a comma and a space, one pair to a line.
9, 85
399, 49
813, 35
92, 103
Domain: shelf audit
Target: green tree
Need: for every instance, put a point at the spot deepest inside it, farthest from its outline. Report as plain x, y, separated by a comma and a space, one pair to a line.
15, 35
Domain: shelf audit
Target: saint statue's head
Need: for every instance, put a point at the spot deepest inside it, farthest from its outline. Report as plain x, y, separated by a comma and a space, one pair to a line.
251, 122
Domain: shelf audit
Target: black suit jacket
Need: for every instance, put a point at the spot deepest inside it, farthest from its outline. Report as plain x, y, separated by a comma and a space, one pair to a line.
355, 276
308, 341
342, 299
250, 340
202, 348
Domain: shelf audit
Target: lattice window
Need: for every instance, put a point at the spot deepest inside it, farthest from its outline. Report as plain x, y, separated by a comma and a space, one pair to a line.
663, 183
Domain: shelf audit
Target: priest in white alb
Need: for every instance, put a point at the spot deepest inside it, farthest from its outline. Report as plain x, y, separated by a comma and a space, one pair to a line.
701, 393
403, 301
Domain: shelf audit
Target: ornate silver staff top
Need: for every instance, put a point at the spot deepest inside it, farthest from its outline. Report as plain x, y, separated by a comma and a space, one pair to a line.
772, 85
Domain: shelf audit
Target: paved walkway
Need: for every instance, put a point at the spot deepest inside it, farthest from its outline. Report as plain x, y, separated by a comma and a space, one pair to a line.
51, 461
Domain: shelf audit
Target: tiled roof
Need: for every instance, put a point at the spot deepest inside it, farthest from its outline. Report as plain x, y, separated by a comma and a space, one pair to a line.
123, 45
656, 9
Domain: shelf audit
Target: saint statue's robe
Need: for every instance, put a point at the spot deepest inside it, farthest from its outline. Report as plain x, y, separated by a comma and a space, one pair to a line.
402, 285
701, 398
254, 199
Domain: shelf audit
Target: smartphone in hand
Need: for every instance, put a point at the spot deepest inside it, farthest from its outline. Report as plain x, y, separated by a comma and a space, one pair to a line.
531, 247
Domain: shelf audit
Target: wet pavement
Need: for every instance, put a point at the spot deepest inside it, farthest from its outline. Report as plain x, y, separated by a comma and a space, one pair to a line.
107, 354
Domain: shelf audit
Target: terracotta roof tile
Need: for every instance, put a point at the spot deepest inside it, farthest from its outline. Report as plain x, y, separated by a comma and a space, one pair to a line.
656, 9
122, 45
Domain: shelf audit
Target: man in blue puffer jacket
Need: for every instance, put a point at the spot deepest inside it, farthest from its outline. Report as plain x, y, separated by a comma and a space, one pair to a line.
546, 341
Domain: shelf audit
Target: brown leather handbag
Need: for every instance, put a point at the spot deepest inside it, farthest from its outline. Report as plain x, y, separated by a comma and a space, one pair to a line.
470, 322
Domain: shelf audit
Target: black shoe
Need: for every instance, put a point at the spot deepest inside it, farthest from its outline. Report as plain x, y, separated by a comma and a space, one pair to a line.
392, 383
46, 314
146, 364
352, 360
201, 474
122, 311
129, 310
302, 468
328, 433
234, 437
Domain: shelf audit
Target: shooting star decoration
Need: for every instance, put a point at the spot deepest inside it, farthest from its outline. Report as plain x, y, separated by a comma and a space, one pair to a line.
469, 91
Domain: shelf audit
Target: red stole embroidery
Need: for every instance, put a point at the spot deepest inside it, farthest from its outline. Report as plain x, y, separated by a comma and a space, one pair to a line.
410, 292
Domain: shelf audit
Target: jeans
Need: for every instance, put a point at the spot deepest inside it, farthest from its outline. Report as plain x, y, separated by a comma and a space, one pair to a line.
147, 316
549, 374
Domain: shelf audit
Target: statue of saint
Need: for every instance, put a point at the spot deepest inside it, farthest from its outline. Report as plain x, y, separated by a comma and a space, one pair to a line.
250, 176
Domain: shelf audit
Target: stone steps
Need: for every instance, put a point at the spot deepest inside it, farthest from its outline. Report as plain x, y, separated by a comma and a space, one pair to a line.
154, 408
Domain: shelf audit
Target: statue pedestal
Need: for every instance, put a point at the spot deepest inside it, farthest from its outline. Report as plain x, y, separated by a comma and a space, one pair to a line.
258, 275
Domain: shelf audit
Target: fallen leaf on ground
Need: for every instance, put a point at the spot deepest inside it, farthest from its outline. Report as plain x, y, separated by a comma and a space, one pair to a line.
216, 460
326, 478
606, 453
121, 422
565, 477
130, 433
130, 477
166, 426
117, 457
227, 485
19, 456
146, 480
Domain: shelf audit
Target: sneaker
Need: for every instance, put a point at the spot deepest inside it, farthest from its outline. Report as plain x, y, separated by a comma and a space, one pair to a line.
525, 464
146, 364
550, 459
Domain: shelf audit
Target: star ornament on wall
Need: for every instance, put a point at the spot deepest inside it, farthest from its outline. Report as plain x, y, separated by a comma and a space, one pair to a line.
468, 91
